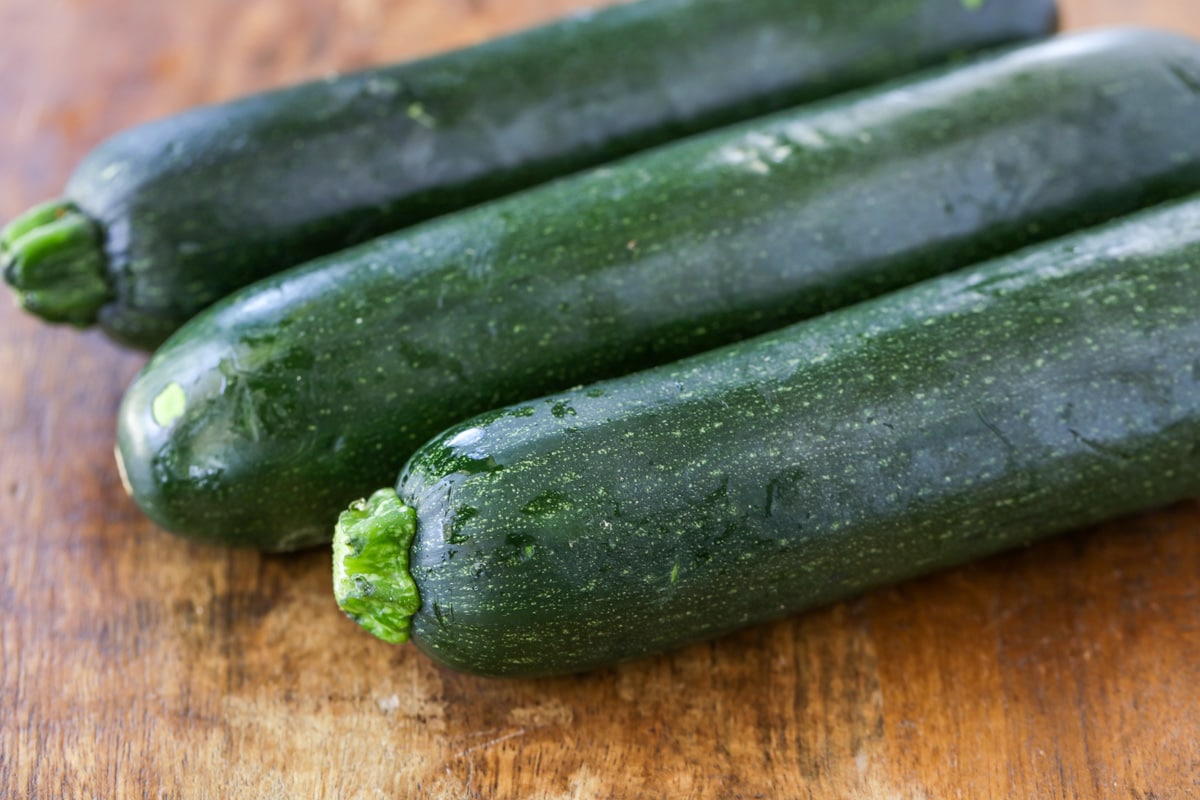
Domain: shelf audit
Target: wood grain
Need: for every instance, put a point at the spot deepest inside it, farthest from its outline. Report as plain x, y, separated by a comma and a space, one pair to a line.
133, 664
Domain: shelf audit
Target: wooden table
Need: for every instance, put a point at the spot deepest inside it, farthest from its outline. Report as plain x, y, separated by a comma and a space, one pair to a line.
135, 664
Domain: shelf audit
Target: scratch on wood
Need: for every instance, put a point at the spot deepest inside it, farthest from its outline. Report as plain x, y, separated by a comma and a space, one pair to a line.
491, 742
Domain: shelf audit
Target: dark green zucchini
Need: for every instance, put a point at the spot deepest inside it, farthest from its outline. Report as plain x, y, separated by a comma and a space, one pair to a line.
277, 407
168, 217
975, 412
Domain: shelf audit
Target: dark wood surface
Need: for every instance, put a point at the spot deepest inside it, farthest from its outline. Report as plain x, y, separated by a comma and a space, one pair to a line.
134, 664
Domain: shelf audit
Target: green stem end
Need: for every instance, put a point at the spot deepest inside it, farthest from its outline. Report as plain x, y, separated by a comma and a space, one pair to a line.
53, 259
371, 580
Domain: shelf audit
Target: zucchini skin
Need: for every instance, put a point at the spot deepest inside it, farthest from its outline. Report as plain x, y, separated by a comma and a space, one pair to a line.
976, 412
309, 389
189, 208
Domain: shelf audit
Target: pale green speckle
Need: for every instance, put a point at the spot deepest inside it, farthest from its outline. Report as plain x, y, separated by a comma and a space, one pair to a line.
418, 114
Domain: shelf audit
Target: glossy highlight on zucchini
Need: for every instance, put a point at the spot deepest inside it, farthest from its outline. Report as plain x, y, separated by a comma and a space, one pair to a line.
979, 411
168, 217
282, 404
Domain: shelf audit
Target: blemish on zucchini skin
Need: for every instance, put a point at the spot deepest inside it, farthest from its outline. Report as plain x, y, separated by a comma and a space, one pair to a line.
546, 504
562, 409
169, 405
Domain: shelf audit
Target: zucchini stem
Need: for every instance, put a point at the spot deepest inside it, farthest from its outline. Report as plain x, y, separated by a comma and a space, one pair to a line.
53, 259
371, 580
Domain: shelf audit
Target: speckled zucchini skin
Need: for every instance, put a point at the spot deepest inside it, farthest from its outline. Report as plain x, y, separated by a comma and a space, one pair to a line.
309, 389
973, 413
192, 207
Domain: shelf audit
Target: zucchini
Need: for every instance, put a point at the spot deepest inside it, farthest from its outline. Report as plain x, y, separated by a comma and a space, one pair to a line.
162, 220
277, 407
978, 411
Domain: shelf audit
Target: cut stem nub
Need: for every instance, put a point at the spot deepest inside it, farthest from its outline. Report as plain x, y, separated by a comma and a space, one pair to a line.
53, 259
371, 580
